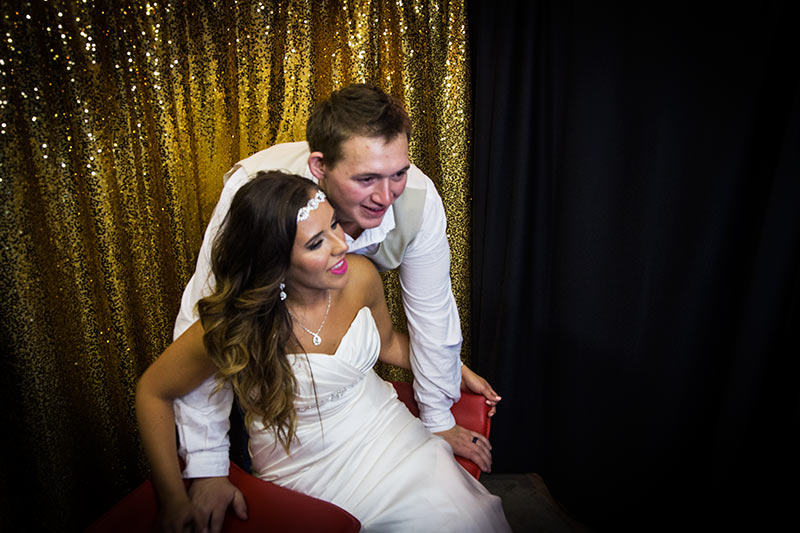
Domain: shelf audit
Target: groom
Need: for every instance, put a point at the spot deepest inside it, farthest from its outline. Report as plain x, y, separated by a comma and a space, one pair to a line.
357, 151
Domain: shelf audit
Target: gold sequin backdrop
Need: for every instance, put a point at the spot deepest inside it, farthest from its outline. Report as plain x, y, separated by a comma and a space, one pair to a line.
117, 121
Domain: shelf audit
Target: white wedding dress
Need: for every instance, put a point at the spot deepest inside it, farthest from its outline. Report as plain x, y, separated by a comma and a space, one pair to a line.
365, 452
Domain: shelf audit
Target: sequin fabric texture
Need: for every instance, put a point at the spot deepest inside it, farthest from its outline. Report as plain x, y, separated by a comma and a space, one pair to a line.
117, 122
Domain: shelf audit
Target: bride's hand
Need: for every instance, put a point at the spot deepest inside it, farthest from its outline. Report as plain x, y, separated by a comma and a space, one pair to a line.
474, 383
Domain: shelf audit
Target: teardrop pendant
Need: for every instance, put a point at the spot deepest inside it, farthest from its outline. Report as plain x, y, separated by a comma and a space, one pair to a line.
315, 338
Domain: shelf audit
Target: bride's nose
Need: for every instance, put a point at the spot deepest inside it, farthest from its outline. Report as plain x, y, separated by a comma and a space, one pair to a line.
340, 246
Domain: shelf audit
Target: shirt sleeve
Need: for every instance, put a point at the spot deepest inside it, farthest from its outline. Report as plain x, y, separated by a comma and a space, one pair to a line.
202, 417
433, 323
202, 420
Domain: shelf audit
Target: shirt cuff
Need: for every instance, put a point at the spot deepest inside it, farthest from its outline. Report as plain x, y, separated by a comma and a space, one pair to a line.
206, 464
438, 421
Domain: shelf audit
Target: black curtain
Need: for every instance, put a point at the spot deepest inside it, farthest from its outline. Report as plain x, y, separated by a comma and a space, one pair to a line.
636, 255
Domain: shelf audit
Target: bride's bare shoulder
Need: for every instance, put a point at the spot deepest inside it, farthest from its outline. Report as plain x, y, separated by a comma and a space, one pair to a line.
360, 266
363, 274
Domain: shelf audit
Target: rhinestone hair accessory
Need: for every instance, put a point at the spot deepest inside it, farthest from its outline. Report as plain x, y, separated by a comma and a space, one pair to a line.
312, 204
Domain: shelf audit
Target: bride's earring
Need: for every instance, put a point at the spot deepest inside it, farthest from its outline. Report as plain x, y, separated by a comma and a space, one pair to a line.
283, 294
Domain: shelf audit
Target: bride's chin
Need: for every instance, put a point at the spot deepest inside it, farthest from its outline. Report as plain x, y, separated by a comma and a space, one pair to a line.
338, 281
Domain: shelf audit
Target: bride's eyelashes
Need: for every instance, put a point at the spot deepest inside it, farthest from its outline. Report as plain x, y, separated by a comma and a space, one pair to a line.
318, 242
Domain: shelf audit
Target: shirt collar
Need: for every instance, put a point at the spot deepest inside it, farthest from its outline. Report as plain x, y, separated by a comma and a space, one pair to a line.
371, 236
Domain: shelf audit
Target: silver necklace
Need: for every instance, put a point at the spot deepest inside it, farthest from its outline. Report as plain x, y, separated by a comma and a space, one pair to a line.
315, 338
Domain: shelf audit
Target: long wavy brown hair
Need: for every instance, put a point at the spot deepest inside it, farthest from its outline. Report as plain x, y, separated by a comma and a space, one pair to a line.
247, 326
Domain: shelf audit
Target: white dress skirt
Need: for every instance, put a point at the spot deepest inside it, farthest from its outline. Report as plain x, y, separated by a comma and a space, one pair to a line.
360, 448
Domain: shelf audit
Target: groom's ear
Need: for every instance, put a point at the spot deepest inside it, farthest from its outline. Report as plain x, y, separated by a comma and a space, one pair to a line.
316, 163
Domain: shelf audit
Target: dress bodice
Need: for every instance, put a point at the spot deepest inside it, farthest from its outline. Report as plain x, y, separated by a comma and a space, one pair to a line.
338, 396
324, 378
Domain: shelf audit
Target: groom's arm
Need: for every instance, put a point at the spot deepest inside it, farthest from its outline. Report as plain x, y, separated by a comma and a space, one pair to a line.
435, 333
202, 417
433, 322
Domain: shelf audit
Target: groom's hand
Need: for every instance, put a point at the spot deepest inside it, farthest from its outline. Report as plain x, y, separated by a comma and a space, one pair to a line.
474, 383
212, 496
177, 516
461, 439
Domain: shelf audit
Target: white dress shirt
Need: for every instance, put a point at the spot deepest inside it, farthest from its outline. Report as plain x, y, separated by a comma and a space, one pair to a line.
430, 308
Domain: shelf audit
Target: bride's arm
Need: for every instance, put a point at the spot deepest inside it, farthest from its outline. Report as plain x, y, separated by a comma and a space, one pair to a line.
395, 349
182, 367
394, 345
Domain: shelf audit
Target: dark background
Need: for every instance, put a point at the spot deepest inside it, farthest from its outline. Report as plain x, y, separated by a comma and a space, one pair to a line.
636, 255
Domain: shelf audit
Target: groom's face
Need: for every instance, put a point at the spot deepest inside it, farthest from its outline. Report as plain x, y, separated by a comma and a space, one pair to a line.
367, 179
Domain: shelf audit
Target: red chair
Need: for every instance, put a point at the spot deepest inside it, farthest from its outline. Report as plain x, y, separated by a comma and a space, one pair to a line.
271, 507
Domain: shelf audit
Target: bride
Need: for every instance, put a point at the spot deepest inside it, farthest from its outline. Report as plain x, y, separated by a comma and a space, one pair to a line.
296, 325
